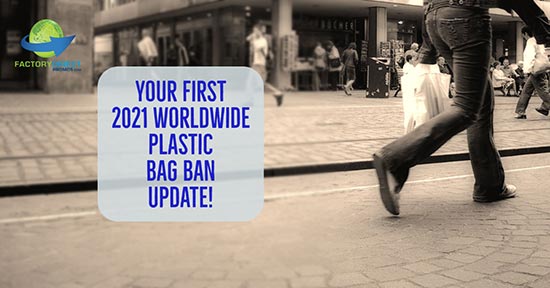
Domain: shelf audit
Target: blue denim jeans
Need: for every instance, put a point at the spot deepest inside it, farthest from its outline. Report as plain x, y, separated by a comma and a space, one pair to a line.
463, 36
534, 83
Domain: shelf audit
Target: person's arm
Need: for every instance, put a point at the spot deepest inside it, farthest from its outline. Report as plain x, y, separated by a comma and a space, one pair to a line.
250, 37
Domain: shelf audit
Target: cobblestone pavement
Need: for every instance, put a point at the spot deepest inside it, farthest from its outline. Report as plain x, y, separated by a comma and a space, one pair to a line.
323, 230
52, 138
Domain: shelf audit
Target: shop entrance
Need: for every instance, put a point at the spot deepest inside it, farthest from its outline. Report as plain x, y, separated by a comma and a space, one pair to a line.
15, 23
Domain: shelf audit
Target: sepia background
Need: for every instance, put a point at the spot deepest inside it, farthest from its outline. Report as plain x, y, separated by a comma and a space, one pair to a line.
323, 224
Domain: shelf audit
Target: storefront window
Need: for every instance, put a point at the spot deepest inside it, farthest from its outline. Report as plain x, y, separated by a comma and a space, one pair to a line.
163, 35
197, 38
103, 54
403, 30
126, 38
313, 29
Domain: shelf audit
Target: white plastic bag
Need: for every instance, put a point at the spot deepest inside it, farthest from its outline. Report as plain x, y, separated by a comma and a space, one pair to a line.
425, 95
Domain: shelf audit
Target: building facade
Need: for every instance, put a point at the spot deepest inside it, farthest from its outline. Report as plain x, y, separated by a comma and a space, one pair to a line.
215, 31
16, 19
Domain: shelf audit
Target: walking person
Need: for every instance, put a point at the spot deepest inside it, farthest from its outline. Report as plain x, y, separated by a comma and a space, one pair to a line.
461, 32
148, 49
259, 48
335, 65
533, 16
350, 59
535, 82
183, 55
320, 66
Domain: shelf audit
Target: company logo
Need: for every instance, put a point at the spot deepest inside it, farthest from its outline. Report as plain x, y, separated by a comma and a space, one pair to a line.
46, 39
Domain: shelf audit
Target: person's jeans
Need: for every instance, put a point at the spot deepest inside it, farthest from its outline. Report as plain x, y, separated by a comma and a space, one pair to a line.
534, 83
334, 77
533, 16
463, 36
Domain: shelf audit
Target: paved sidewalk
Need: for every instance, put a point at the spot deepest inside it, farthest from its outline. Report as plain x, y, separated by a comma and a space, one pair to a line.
52, 138
342, 239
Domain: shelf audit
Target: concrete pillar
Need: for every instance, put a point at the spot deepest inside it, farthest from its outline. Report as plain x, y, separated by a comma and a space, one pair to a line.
216, 39
281, 18
378, 29
519, 42
75, 18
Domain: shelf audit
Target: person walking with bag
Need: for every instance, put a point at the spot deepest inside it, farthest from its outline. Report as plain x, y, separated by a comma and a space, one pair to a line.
460, 31
335, 65
259, 48
350, 58
535, 81
320, 65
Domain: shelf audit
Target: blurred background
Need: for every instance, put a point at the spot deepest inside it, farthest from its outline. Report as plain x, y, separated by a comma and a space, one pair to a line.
214, 33
322, 224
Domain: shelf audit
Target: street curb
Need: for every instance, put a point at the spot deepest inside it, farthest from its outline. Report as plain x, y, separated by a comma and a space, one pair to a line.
367, 164
91, 185
48, 188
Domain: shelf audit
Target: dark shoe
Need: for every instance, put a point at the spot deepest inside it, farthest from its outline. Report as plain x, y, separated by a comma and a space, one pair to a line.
542, 111
509, 192
389, 185
279, 99
520, 116
346, 90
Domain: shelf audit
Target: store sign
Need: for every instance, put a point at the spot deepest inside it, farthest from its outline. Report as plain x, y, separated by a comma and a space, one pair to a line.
337, 24
289, 44
326, 24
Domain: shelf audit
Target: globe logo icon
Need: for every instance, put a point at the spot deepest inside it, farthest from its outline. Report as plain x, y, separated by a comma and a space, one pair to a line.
46, 39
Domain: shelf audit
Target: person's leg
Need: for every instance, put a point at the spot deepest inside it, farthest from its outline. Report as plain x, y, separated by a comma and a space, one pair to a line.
316, 79
350, 77
484, 156
333, 78
469, 36
262, 71
276, 93
525, 96
540, 83
324, 80
531, 14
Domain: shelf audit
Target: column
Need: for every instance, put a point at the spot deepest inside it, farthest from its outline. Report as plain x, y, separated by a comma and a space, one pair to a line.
519, 43
217, 40
513, 39
74, 17
378, 29
281, 18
